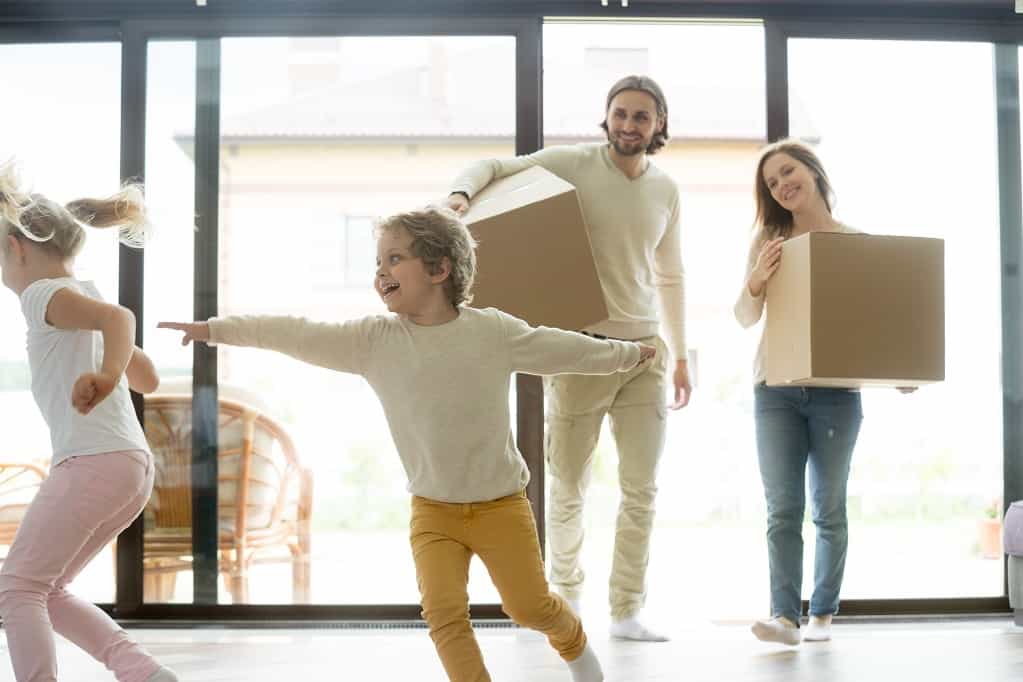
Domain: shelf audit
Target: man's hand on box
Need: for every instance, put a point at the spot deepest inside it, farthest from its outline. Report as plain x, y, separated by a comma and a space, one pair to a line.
457, 202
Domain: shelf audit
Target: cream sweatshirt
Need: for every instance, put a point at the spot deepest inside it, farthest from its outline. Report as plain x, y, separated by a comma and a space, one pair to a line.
444, 388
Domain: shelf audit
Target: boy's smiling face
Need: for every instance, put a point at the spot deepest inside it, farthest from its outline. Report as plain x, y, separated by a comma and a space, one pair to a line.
403, 281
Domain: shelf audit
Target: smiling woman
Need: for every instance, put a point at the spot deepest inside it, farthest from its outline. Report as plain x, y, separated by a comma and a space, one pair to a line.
794, 197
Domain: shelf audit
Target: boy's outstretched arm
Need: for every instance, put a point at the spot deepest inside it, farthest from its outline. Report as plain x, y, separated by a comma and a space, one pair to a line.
547, 351
193, 331
343, 347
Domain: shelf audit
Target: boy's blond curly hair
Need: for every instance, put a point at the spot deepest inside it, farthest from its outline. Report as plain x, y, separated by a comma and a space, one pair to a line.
438, 233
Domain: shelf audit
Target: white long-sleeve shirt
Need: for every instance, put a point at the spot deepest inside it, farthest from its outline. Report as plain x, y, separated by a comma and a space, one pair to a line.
444, 388
634, 229
749, 308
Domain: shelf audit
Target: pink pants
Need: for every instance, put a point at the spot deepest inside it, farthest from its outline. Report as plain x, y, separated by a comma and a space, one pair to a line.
83, 505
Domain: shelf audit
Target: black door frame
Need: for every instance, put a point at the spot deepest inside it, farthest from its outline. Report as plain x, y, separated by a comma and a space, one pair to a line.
135, 29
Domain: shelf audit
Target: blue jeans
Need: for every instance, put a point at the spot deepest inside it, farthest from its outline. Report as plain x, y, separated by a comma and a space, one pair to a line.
796, 427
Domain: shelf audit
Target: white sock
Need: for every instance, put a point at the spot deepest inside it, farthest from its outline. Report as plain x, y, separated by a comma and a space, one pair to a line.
777, 629
631, 628
819, 629
586, 668
163, 675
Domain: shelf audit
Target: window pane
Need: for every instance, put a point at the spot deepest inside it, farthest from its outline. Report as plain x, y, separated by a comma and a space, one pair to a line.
319, 138
906, 132
710, 498
61, 119
170, 193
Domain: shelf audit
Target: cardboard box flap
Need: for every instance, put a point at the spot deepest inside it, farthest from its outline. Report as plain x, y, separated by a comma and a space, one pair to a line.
526, 187
788, 298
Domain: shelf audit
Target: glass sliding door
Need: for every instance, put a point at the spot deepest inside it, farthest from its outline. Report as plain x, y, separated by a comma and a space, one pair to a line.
62, 121
320, 137
907, 133
709, 500
169, 275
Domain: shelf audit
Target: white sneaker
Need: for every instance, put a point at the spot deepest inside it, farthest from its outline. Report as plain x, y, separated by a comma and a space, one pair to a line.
778, 629
818, 630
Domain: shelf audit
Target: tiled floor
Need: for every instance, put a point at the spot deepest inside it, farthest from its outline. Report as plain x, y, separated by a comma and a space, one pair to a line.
965, 651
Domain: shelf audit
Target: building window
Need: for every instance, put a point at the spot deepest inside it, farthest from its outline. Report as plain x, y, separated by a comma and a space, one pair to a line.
360, 252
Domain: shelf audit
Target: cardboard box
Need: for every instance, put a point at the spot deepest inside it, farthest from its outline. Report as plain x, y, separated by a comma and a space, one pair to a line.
534, 257
853, 310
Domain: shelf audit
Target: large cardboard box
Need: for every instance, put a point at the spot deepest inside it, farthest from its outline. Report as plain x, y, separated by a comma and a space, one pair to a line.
534, 255
852, 310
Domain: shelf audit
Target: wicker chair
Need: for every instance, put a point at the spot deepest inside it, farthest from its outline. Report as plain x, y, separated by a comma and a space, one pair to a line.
19, 483
264, 497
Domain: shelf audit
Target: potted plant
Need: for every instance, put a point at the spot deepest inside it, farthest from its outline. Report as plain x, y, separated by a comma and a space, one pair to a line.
990, 530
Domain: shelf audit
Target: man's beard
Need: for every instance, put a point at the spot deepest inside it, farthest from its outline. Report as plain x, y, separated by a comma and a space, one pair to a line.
633, 149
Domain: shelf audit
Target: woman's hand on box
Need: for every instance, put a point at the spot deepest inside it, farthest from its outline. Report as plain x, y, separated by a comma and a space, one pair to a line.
767, 264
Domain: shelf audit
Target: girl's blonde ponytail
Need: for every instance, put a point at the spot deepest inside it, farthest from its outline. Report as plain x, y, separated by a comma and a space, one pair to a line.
14, 199
125, 210
58, 229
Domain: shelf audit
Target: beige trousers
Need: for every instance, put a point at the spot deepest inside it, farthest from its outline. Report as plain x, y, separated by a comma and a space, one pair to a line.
637, 404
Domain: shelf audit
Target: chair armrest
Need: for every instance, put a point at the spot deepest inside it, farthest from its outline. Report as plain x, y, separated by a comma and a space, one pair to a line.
25, 467
305, 495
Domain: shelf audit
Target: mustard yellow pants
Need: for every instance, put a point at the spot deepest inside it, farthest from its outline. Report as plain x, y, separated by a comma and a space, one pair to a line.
502, 533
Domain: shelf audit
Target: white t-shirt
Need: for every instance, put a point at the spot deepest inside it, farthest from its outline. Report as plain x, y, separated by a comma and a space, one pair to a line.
56, 358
